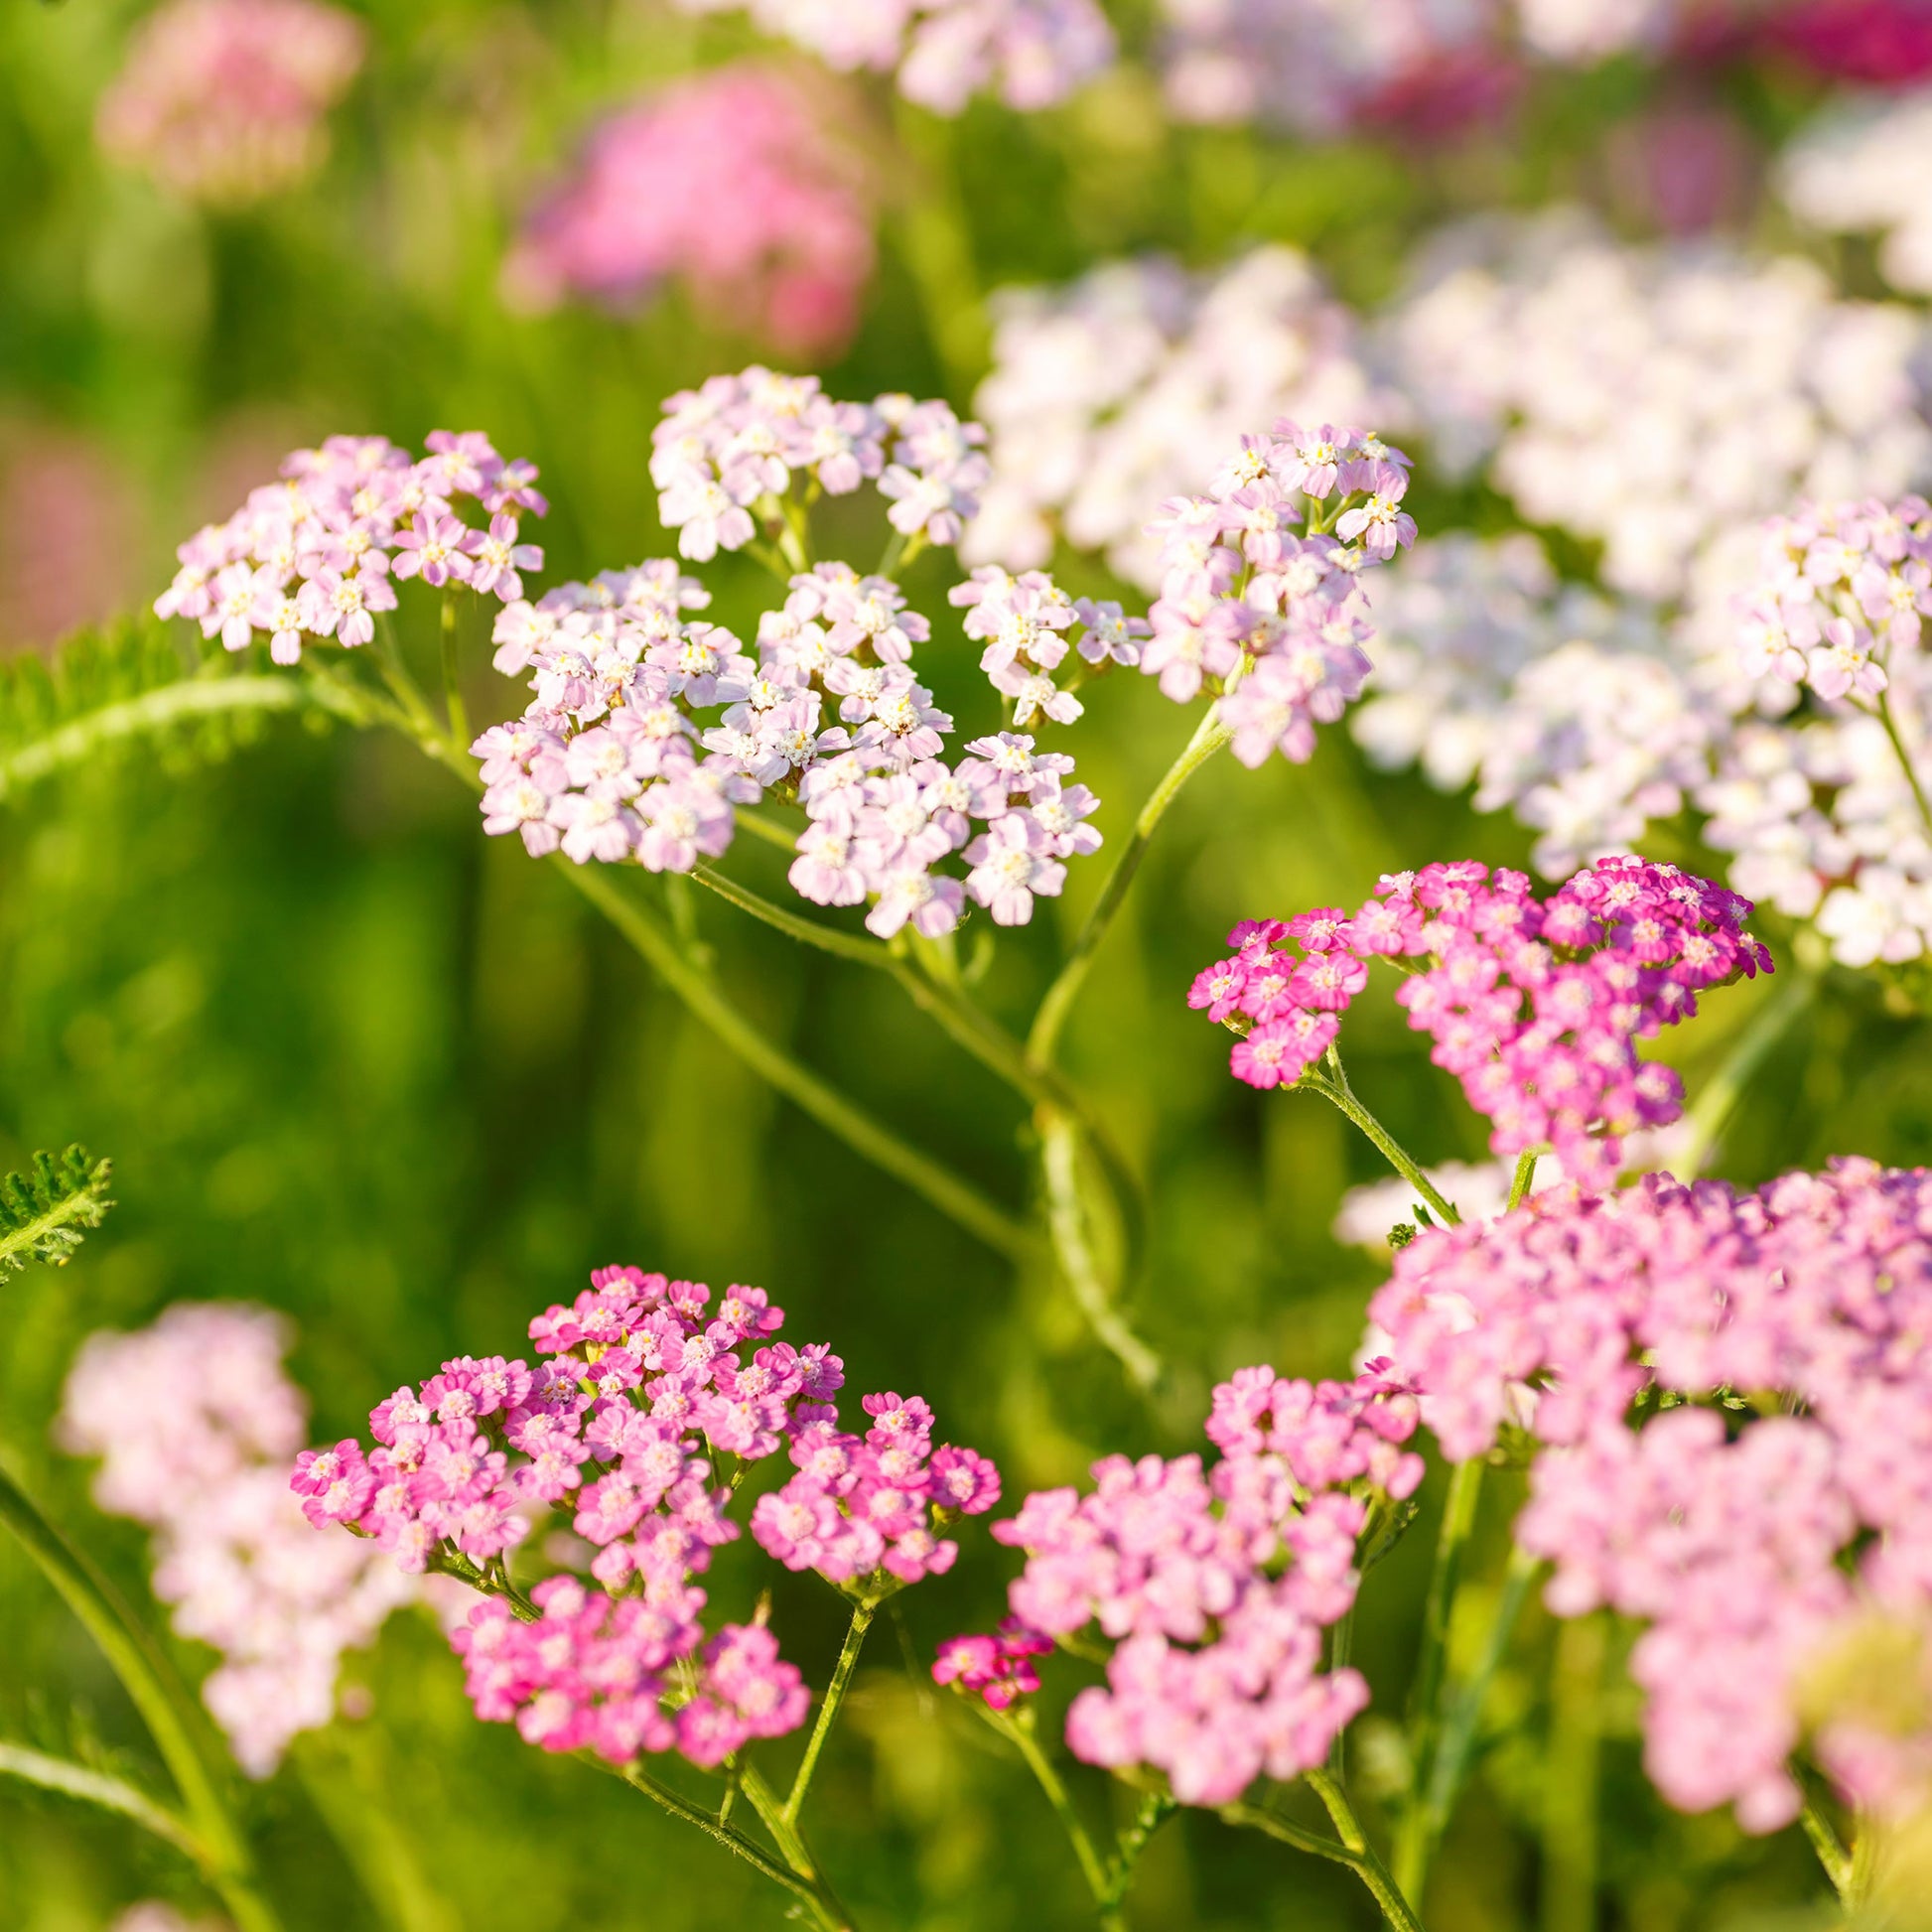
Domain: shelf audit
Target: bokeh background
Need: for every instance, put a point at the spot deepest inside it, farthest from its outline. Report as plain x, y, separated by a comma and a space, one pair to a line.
356, 1064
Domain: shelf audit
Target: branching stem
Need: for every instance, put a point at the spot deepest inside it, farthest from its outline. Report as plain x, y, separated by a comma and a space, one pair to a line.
1333, 1085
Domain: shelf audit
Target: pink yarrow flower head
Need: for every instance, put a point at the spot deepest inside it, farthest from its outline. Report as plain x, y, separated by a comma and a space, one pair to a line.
647, 1392
733, 182
224, 101
1212, 1586
1752, 1537
1536, 1006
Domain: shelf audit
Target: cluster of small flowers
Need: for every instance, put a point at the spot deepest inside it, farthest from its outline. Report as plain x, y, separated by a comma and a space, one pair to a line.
1320, 68
313, 556
730, 180
1851, 173
1035, 52
195, 1421
861, 1505
1277, 619
1770, 1349
641, 1389
1214, 1587
727, 454
1534, 1006
222, 100
1653, 398
1106, 393
1840, 587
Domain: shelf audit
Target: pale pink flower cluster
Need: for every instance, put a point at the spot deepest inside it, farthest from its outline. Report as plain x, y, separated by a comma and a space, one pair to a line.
1260, 583
1213, 1587
194, 1421
637, 1421
730, 180
1734, 1399
1840, 587
1034, 52
728, 455
1536, 1006
314, 555
224, 101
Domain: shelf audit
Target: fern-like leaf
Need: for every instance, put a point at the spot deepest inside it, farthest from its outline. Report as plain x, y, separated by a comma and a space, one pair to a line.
44, 1212
129, 680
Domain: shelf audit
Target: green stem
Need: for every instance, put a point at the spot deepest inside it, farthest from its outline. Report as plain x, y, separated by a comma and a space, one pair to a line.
1570, 1780
937, 249
1416, 1846
1832, 1855
81, 1782
1255, 1818
177, 1728
1865, 1860
1522, 1181
828, 1711
1044, 1036
1719, 1098
1019, 1731
348, 1786
456, 711
1335, 1086
1888, 719
1157, 1807
769, 830
1368, 1866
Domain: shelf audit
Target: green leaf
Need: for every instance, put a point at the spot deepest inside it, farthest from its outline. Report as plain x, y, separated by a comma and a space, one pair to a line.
89, 1785
45, 1212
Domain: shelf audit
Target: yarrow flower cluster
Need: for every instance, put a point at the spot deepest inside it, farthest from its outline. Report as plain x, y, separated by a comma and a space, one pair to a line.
638, 1420
1842, 586
194, 1421
1034, 52
1536, 1006
1116, 390
730, 180
1730, 1396
1261, 590
222, 100
1213, 1587
313, 556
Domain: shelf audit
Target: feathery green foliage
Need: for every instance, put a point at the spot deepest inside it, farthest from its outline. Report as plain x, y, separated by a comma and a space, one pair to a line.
45, 1212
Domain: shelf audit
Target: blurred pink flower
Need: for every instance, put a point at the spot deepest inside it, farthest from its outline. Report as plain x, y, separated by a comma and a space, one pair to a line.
728, 180
69, 524
1880, 43
222, 100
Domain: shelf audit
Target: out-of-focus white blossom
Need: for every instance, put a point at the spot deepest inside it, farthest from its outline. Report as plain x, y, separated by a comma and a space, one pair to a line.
1862, 167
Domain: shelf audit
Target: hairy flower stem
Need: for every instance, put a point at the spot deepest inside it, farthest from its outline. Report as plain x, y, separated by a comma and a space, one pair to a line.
1368, 1866
1427, 1697
1157, 1807
1017, 1729
179, 1731
1832, 1855
1889, 719
1568, 1902
100, 1788
1422, 1830
1333, 1085
863, 1613
1042, 1039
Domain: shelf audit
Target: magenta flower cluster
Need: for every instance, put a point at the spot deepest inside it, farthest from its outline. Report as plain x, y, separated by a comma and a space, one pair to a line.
1534, 1005
1841, 585
730, 180
224, 101
1733, 1405
1261, 595
1213, 1587
727, 453
642, 1395
313, 556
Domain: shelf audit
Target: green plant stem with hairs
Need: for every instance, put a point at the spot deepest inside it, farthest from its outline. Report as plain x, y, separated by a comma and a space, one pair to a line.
1351, 1848
179, 1732
1332, 1085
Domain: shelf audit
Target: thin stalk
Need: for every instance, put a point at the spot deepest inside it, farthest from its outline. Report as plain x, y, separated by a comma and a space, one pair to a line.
1522, 1181
828, 1711
1888, 719
1019, 1733
788, 1838
1832, 1855
1368, 1866
810, 933
1568, 1902
178, 1732
937, 249
1255, 1818
456, 711
1066, 1221
1719, 1098
346, 1786
765, 828
1157, 1807
1865, 1860
102, 1788
1335, 1086
1044, 1036
1416, 1846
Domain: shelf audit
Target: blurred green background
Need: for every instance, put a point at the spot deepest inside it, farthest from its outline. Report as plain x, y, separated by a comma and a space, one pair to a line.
355, 1062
